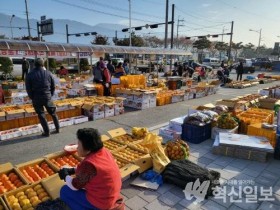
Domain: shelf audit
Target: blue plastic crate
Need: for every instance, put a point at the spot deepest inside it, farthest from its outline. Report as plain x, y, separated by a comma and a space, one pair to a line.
196, 134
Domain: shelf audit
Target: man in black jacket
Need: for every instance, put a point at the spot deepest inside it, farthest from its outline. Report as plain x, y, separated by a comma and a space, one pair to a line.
40, 88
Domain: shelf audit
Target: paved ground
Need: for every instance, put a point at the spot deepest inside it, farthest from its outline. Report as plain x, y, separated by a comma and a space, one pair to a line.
263, 175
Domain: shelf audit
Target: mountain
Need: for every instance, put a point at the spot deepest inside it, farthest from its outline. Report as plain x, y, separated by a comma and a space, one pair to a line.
19, 29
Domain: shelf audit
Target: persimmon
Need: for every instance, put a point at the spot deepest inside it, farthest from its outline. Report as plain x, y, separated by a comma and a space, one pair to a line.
2, 189
42, 195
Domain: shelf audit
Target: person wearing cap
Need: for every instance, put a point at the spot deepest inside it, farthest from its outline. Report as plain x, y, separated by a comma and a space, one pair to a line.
24, 66
40, 88
106, 79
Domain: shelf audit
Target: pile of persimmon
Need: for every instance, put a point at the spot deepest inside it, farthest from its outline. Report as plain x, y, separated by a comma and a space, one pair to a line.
65, 160
37, 172
28, 198
9, 182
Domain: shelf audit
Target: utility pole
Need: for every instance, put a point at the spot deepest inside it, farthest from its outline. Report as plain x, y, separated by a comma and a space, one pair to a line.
172, 26
166, 24
178, 24
28, 25
67, 36
230, 42
130, 44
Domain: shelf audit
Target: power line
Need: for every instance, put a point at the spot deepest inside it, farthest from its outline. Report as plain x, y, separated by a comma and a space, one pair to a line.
93, 10
97, 3
246, 11
200, 17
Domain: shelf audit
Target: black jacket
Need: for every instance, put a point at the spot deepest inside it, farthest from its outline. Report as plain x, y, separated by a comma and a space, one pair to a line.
39, 84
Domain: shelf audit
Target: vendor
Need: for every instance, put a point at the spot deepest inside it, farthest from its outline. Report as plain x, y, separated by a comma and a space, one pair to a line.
97, 181
62, 71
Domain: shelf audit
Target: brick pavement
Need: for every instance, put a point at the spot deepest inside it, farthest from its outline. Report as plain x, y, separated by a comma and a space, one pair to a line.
171, 197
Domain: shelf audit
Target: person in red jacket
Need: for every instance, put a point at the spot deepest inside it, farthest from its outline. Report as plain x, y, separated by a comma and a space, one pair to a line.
97, 181
106, 79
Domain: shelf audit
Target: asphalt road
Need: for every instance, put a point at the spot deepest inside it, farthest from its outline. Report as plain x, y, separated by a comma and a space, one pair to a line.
34, 146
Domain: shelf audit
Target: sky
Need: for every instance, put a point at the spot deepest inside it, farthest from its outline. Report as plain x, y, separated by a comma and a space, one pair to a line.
196, 17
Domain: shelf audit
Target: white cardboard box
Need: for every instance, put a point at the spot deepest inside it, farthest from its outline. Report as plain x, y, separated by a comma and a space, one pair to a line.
26, 130
66, 122
109, 113
98, 115
80, 119
119, 110
9, 134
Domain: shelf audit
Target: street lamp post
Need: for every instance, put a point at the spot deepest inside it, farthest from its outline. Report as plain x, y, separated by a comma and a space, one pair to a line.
260, 36
11, 26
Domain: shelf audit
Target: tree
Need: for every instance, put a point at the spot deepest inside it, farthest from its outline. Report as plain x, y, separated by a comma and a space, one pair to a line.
153, 41
84, 65
52, 64
101, 40
201, 44
6, 66
221, 47
236, 47
136, 41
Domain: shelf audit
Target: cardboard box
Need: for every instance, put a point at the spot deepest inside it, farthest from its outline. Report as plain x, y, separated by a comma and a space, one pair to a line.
153, 102
23, 189
32, 163
177, 98
66, 122
80, 119
2, 116
141, 97
127, 169
15, 114
144, 161
27, 130
53, 185
9, 134
98, 115
109, 106
52, 159
3, 204
268, 103
109, 113
113, 145
122, 136
7, 168
119, 110
141, 105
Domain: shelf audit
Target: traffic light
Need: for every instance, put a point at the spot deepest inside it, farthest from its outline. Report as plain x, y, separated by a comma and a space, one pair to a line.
138, 28
93, 33
77, 35
86, 34
188, 37
201, 37
215, 36
154, 26
125, 30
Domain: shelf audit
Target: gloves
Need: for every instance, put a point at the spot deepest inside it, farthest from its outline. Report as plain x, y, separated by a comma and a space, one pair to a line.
107, 85
65, 172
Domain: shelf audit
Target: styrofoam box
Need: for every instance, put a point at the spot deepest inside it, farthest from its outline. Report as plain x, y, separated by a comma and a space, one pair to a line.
80, 119
177, 98
66, 122
9, 134
27, 130
176, 123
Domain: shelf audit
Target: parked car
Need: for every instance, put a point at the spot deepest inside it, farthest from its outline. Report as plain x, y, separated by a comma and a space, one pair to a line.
194, 65
262, 63
247, 66
213, 62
